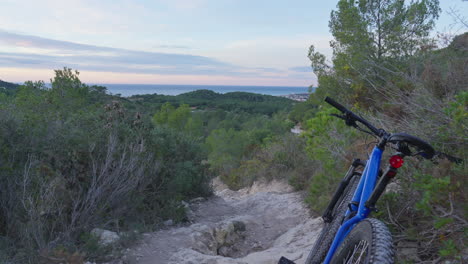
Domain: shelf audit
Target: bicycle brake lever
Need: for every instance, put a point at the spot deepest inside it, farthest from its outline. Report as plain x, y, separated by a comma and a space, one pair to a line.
348, 121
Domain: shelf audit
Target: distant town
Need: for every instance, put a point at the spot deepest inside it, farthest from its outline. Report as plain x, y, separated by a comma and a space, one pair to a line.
301, 97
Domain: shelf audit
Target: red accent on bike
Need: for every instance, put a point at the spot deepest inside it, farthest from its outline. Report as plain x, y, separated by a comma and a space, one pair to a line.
396, 161
391, 173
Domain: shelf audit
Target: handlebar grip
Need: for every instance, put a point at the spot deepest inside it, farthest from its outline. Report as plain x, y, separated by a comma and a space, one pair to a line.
336, 105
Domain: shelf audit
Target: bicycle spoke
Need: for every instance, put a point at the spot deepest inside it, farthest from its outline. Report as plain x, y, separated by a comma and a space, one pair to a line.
358, 254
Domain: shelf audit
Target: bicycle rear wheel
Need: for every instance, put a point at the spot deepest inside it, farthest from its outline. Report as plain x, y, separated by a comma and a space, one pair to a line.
368, 242
323, 242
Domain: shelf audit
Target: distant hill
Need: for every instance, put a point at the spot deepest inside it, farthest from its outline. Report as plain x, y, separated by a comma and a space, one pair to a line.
207, 99
8, 85
8, 88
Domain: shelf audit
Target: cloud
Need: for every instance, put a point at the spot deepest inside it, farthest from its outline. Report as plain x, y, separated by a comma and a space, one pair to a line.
28, 41
185, 4
273, 51
172, 47
97, 52
38, 52
301, 69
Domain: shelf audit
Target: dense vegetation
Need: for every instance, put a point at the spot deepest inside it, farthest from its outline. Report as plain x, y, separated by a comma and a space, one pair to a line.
7, 88
386, 67
74, 158
206, 99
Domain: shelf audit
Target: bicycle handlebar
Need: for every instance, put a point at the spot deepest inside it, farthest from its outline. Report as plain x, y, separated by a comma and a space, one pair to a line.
336, 105
351, 117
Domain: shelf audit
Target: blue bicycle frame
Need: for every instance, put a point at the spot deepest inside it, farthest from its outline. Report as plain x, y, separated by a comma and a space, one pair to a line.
361, 195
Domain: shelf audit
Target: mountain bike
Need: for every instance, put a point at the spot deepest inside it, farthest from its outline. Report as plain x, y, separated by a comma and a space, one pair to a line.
349, 236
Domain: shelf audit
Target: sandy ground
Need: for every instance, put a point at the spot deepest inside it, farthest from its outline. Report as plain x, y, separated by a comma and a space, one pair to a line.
256, 225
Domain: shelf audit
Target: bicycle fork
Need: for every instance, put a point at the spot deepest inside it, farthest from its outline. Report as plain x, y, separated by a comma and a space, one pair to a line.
366, 196
327, 214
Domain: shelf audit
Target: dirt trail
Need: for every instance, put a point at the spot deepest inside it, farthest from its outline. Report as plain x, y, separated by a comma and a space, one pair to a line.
257, 225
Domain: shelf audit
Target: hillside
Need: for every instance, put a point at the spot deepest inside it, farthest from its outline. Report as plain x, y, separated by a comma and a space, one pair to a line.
7, 87
207, 99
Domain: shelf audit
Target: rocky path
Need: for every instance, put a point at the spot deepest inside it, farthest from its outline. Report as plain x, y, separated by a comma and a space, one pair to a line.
255, 225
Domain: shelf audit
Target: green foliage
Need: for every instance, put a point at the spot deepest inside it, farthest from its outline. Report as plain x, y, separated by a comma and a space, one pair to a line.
181, 170
176, 118
90, 244
236, 139
325, 136
434, 190
457, 114
74, 158
281, 158
442, 221
302, 111
162, 116
226, 147
449, 249
378, 29
209, 100
7, 89
372, 40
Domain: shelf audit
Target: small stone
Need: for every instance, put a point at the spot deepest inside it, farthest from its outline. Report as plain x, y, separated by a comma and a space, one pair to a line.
222, 232
393, 187
223, 251
197, 200
185, 204
239, 226
169, 222
106, 237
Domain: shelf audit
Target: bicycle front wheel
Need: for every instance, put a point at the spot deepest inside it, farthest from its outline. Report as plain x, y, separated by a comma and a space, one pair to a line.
368, 242
323, 242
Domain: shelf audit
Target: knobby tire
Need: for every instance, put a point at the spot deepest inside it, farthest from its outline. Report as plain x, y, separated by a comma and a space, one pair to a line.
368, 242
323, 242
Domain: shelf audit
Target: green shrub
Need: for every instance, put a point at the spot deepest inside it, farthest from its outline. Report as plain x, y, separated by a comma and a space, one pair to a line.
74, 158
329, 143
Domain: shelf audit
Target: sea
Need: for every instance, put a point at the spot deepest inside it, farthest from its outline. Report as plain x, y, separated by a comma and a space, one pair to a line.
134, 89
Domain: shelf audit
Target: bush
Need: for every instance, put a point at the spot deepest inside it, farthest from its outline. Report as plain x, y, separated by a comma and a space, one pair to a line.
73, 158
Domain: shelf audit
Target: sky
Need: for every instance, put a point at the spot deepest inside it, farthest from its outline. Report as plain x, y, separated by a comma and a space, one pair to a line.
200, 42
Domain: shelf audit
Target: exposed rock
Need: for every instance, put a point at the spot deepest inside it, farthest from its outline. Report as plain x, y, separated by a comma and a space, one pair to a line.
238, 226
218, 185
115, 262
393, 187
198, 200
203, 239
224, 251
106, 237
255, 225
223, 232
169, 222
185, 204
